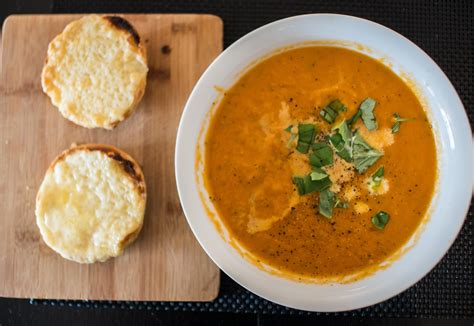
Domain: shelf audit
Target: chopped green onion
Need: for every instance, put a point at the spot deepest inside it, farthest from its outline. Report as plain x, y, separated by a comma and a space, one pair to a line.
380, 219
288, 129
367, 110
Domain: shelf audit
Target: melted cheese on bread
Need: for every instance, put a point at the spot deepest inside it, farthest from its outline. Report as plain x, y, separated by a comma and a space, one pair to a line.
95, 71
88, 207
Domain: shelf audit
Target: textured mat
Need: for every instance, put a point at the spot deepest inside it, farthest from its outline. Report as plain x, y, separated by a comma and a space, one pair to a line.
444, 29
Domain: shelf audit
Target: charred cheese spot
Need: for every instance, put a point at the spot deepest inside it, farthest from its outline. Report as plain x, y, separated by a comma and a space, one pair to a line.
124, 25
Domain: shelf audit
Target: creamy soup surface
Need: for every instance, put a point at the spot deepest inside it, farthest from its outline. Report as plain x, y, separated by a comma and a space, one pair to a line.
258, 152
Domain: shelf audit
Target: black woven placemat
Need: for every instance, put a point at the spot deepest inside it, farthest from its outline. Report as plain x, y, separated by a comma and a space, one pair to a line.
445, 30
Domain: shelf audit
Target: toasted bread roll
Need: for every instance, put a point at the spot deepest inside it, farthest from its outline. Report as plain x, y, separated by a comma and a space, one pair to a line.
95, 71
91, 203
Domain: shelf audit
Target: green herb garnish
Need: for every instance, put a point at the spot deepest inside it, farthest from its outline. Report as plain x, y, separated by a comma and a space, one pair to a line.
342, 150
363, 154
341, 204
306, 186
337, 105
398, 120
354, 118
380, 219
318, 174
330, 111
306, 134
337, 141
342, 141
293, 136
327, 199
321, 155
376, 178
343, 129
367, 110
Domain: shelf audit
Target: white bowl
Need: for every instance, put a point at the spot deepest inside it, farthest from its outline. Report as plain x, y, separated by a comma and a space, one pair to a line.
453, 138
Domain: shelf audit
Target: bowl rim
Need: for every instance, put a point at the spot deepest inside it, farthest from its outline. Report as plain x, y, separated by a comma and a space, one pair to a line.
179, 140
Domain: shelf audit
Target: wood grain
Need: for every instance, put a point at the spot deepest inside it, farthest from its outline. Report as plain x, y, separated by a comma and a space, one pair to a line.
166, 262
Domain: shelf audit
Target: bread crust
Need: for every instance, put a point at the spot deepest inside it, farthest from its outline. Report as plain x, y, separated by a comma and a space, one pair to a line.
122, 24
129, 165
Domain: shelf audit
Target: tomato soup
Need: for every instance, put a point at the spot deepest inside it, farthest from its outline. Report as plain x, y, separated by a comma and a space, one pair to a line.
320, 161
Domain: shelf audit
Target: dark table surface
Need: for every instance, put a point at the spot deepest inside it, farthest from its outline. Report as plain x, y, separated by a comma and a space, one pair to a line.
444, 29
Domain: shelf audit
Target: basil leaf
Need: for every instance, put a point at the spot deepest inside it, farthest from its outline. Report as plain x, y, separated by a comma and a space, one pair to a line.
367, 109
342, 141
299, 182
306, 186
380, 219
321, 185
354, 118
327, 200
337, 141
398, 120
345, 155
318, 174
343, 129
328, 114
378, 175
395, 127
376, 178
330, 111
363, 154
306, 134
302, 147
321, 156
341, 204
338, 106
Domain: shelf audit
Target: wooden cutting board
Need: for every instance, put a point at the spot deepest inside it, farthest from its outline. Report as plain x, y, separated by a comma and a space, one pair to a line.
166, 262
